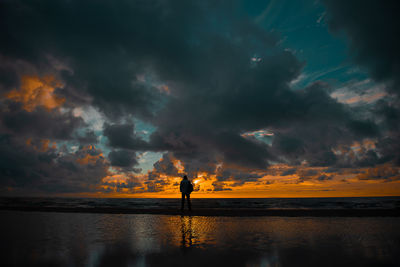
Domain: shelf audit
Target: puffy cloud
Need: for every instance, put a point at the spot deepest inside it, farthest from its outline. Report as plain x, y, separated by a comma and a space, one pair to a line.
384, 172
40, 123
167, 165
122, 183
218, 186
36, 92
31, 168
371, 29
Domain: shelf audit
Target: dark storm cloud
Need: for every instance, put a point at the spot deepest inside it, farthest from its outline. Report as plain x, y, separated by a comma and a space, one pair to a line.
217, 97
42, 124
214, 120
224, 75
48, 169
389, 148
321, 125
125, 159
166, 165
288, 172
324, 177
8, 77
372, 30
224, 174
89, 137
390, 114
101, 42
218, 186
366, 128
123, 136
389, 145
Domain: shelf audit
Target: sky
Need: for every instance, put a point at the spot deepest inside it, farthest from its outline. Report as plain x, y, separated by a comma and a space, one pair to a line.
247, 98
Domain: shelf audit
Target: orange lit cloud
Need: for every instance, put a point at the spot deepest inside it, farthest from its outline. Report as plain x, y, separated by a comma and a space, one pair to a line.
41, 145
384, 172
88, 158
164, 89
304, 182
37, 91
370, 95
279, 180
365, 98
115, 179
259, 133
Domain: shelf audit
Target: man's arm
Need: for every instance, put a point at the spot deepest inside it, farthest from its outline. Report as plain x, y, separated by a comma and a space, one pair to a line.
180, 187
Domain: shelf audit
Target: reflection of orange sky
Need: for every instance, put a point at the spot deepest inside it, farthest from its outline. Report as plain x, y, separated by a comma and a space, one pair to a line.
37, 91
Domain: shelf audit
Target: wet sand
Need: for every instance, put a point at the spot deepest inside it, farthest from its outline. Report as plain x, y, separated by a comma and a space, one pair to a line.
104, 239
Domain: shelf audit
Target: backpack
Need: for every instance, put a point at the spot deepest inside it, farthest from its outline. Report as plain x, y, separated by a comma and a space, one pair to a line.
190, 187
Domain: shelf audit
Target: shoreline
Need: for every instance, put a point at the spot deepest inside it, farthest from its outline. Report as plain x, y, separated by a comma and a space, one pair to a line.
220, 212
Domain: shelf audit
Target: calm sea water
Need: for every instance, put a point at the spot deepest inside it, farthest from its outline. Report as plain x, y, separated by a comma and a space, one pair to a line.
83, 239
234, 203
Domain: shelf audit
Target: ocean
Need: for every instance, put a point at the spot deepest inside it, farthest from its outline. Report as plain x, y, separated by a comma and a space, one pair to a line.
207, 203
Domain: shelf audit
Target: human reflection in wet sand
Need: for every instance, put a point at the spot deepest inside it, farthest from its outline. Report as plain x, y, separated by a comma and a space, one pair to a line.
187, 232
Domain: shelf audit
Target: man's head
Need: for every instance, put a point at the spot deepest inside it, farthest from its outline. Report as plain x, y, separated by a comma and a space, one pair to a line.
185, 177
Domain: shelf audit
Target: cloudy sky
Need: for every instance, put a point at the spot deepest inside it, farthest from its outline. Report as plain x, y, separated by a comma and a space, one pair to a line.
248, 98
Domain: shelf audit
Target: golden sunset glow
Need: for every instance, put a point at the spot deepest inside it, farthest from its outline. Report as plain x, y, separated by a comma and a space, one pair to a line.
319, 184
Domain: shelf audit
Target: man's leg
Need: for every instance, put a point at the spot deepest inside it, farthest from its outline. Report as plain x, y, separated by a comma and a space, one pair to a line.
188, 199
183, 201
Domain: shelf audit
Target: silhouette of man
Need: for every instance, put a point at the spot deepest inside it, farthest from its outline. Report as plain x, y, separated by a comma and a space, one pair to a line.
186, 188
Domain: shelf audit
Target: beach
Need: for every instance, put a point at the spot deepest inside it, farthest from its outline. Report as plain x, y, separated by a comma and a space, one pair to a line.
105, 239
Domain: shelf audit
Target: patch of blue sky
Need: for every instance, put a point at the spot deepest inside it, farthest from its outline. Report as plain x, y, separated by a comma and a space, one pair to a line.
143, 129
262, 135
303, 31
147, 159
91, 116
103, 145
